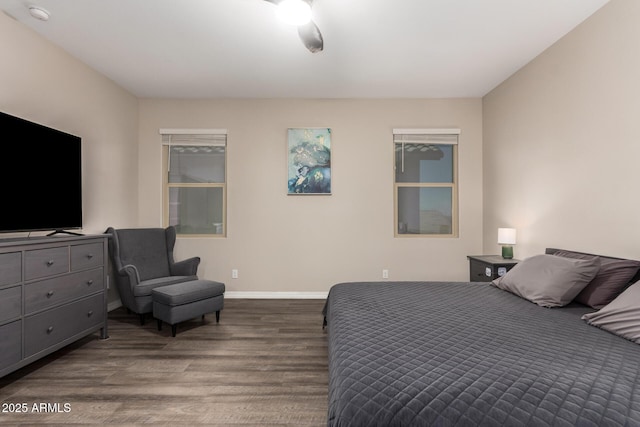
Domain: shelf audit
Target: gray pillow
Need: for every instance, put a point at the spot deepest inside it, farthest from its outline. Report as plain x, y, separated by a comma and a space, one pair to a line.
621, 316
548, 280
613, 277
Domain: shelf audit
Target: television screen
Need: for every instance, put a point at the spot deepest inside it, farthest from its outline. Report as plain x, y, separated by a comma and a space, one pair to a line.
41, 175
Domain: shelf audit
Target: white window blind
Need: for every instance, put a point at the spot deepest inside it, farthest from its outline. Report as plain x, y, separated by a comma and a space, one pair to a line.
194, 194
192, 138
426, 136
426, 182
215, 137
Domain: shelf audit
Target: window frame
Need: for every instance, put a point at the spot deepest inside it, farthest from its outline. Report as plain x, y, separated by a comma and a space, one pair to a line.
426, 133
193, 137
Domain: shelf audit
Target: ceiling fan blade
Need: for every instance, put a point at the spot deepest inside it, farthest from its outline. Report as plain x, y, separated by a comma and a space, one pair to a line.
309, 33
311, 37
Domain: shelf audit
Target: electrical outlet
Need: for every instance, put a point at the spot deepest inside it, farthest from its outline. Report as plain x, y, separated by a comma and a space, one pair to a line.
234, 274
385, 274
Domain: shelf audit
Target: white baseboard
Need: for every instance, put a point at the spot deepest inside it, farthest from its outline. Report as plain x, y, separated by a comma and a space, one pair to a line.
275, 295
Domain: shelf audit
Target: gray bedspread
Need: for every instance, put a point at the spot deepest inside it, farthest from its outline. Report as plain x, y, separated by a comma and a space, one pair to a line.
469, 354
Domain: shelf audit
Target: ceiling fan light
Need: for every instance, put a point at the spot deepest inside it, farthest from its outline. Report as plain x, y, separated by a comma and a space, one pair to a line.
39, 13
294, 12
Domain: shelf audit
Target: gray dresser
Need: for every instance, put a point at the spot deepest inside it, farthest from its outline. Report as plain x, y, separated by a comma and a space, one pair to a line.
53, 291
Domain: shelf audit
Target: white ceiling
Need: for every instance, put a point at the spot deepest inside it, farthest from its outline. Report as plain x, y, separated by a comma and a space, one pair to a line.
372, 48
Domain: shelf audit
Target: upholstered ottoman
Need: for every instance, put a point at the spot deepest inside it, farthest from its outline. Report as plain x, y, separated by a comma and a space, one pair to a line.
183, 301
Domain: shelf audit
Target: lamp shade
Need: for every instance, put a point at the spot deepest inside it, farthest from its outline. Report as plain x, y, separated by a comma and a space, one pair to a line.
506, 236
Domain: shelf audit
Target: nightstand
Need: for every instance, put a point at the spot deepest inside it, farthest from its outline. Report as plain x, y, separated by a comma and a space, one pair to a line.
485, 268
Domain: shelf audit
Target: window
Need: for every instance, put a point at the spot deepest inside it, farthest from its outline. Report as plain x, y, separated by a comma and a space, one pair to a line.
194, 196
426, 182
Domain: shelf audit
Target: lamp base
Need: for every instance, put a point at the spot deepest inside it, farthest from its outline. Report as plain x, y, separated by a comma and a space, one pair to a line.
507, 252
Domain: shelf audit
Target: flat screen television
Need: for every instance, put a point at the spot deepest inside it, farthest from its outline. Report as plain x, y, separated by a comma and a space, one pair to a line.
41, 176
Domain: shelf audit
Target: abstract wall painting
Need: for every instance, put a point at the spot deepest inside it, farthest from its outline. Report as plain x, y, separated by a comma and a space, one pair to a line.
309, 161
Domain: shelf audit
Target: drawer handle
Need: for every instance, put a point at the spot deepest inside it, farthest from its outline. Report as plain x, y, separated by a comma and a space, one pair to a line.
49, 263
49, 294
90, 256
89, 282
50, 329
90, 313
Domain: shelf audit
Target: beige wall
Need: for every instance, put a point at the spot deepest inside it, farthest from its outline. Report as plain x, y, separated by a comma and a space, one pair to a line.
562, 142
42, 83
551, 151
283, 243
278, 243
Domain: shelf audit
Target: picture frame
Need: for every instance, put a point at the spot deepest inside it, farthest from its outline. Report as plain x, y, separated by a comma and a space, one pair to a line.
309, 161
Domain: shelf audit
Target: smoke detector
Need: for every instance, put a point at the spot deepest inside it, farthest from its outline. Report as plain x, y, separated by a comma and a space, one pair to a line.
39, 13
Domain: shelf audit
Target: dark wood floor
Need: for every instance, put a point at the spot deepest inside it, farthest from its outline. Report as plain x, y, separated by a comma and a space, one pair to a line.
264, 364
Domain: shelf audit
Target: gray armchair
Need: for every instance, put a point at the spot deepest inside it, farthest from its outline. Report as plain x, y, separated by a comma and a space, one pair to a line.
142, 260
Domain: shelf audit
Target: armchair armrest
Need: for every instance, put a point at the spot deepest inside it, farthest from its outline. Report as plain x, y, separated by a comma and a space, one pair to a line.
187, 267
131, 272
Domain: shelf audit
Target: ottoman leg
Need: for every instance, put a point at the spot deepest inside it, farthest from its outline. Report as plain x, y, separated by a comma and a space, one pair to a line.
173, 329
159, 324
218, 316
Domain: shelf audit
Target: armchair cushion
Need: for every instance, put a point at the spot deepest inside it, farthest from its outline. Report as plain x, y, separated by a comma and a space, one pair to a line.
145, 287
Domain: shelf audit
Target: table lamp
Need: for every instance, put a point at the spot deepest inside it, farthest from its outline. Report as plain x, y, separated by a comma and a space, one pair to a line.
506, 238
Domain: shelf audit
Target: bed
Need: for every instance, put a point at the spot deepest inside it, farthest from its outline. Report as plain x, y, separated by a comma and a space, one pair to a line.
473, 354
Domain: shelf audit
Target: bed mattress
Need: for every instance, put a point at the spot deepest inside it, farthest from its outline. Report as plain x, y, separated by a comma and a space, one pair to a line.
469, 354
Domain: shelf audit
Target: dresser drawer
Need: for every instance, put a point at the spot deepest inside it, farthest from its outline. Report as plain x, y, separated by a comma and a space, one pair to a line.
10, 344
86, 256
56, 325
10, 268
51, 292
10, 303
46, 262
